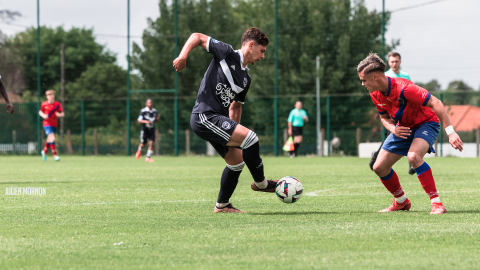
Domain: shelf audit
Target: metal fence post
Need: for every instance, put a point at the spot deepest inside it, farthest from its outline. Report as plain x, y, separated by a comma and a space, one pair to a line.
176, 82
82, 111
39, 140
328, 125
319, 114
14, 141
383, 56
477, 140
128, 79
441, 130
275, 102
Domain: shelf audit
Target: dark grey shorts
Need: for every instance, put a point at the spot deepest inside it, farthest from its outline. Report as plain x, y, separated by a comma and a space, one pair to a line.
147, 134
216, 129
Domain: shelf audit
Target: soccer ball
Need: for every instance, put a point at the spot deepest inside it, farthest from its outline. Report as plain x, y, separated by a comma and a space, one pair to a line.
289, 189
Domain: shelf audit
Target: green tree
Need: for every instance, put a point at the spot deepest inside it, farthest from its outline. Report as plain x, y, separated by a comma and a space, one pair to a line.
431, 86
81, 51
459, 93
340, 31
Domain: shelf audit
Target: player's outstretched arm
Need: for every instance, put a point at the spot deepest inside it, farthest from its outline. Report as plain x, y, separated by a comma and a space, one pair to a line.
196, 39
235, 111
3, 91
442, 114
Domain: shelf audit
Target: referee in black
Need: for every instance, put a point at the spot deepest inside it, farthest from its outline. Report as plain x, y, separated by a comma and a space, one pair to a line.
216, 114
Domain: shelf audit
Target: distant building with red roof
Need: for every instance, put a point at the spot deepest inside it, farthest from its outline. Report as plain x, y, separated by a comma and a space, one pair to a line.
465, 118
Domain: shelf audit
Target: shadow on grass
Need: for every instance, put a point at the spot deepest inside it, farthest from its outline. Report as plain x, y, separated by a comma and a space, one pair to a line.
294, 213
464, 212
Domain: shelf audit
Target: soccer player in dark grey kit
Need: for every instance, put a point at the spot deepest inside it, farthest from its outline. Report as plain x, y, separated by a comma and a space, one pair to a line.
216, 114
148, 116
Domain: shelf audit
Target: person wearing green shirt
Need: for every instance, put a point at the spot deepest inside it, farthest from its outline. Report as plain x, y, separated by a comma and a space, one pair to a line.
296, 120
394, 61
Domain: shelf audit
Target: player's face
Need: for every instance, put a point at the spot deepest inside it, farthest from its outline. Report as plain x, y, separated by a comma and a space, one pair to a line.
394, 63
51, 97
257, 53
298, 105
369, 81
149, 104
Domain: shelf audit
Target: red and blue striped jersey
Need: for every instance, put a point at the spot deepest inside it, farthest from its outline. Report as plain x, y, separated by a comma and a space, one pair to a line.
405, 103
50, 110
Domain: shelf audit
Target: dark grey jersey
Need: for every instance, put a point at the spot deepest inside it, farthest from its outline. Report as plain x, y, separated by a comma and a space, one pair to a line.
150, 115
225, 80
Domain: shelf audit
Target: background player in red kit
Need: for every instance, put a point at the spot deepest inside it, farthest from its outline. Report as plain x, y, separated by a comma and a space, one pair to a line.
50, 110
411, 114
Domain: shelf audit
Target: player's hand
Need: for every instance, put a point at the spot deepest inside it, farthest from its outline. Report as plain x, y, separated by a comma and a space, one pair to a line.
10, 108
289, 132
45, 117
179, 63
455, 141
401, 132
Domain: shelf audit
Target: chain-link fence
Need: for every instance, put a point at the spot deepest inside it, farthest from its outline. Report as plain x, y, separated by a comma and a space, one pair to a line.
101, 113
98, 127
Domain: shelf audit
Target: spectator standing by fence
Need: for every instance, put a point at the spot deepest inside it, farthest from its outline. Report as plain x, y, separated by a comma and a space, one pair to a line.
296, 121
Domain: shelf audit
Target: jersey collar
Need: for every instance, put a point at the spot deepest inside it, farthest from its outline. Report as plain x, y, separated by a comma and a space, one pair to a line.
240, 53
389, 87
148, 109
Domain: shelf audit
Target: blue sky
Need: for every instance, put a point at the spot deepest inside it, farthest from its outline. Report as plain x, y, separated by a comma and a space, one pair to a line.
438, 41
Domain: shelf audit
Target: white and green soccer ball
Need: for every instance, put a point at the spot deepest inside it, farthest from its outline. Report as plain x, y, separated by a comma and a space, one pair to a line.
289, 189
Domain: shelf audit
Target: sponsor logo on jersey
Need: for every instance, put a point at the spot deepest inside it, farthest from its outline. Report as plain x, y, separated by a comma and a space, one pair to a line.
215, 41
424, 94
226, 125
226, 94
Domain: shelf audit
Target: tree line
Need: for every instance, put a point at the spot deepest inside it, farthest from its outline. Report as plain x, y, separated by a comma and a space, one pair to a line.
341, 32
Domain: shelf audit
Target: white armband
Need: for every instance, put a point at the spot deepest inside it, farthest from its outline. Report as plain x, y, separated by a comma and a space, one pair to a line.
449, 130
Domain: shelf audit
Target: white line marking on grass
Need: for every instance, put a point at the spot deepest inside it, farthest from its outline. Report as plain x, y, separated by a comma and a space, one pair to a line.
316, 192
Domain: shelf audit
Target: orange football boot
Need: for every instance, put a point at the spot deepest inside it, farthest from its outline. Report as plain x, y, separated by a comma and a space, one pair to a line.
438, 208
405, 206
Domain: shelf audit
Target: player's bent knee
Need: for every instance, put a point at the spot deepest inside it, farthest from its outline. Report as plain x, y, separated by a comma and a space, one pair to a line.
249, 140
415, 159
380, 170
236, 168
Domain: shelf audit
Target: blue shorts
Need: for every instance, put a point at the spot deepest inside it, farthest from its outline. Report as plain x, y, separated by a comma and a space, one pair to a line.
50, 129
428, 131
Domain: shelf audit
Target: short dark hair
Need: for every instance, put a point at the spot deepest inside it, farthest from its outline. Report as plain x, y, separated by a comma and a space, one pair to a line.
372, 63
394, 54
256, 35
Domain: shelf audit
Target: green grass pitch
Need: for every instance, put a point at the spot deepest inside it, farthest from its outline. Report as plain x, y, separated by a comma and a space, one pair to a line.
162, 215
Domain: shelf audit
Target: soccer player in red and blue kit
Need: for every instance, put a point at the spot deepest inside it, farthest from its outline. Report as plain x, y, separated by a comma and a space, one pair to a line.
412, 116
50, 110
